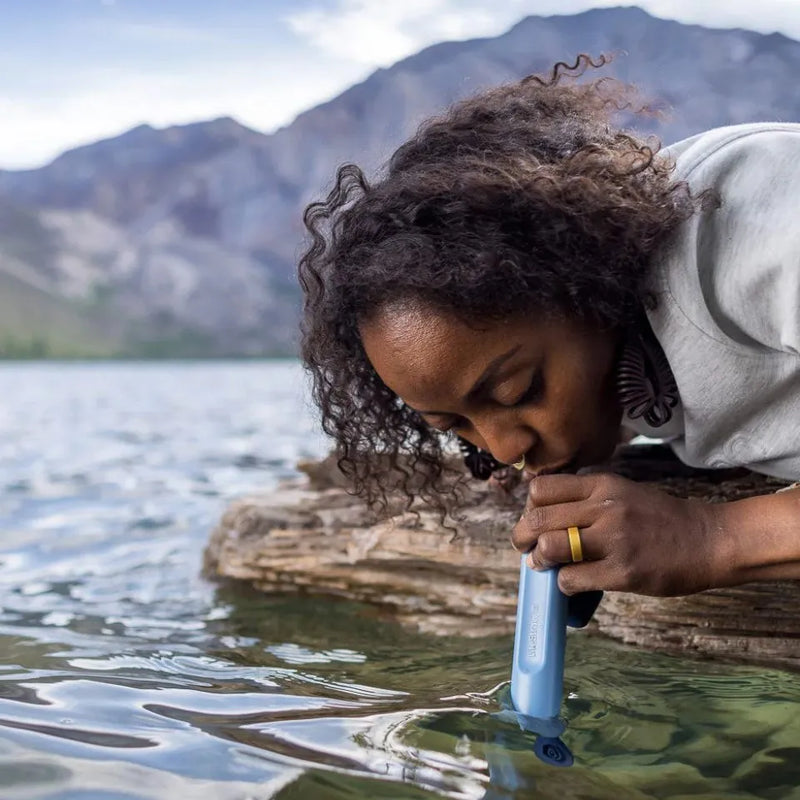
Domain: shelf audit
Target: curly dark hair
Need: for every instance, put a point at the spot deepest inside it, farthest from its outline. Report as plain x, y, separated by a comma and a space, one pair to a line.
527, 185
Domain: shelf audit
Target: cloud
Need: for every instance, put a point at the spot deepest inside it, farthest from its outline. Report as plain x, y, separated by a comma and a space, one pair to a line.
148, 69
130, 32
765, 16
263, 94
380, 34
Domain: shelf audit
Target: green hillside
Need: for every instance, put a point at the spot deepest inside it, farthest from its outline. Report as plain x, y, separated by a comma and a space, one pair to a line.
36, 324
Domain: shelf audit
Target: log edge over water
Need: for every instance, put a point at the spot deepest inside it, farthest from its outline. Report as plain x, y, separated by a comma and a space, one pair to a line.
312, 537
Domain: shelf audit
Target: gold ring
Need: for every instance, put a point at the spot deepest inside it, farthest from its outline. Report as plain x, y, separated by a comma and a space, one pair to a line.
575, 545
520, 465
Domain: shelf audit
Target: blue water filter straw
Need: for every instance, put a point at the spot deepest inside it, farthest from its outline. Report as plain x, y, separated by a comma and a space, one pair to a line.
537, 677
537, 673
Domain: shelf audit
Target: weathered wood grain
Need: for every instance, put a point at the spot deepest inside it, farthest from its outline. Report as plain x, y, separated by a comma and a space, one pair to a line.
313, 537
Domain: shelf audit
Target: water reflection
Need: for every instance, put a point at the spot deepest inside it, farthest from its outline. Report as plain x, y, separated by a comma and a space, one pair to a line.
246, 709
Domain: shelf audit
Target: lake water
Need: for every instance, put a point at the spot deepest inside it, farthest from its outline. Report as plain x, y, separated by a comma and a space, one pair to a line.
124, 674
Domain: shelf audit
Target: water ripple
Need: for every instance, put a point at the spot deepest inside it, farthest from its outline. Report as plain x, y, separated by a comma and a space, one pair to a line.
125, 674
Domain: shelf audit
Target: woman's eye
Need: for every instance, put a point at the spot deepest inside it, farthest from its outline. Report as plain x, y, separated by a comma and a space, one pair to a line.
534, 391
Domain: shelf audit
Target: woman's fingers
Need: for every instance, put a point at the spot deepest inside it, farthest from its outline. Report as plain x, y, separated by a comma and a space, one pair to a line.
537, 521
553, 548
547, 490
556, 502
575, 578
633, 538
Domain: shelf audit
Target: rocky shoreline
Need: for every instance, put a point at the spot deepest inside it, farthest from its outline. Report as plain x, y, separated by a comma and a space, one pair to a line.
312, 537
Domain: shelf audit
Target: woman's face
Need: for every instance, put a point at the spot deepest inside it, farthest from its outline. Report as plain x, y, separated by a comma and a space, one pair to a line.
542, 388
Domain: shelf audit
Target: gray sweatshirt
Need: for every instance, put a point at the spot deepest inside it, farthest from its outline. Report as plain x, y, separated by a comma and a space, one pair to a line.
728, 315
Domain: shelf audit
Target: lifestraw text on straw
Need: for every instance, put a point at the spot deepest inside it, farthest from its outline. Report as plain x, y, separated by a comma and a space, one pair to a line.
533, 633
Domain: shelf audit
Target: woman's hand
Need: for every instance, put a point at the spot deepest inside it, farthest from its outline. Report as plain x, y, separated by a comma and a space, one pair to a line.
634, 538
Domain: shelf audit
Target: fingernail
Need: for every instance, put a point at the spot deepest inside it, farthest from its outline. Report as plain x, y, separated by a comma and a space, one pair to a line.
529, 562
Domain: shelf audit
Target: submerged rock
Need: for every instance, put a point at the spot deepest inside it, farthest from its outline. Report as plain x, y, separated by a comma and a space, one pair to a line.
312, 537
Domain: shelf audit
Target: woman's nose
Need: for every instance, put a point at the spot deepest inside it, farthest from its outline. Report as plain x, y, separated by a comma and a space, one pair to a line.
507, 441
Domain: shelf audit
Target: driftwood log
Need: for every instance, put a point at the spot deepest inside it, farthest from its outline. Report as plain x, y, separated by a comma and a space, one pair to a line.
312, 537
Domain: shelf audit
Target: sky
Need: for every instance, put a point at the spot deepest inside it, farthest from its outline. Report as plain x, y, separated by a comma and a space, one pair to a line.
75, 71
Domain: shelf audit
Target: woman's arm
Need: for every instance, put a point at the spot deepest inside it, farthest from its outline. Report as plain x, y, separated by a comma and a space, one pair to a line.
639, 539
760, 537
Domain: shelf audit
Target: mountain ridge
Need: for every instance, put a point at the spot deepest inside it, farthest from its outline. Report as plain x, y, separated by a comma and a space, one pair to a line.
209, 214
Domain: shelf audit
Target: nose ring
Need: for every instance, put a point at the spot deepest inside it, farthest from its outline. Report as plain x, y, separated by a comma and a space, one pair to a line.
520, 465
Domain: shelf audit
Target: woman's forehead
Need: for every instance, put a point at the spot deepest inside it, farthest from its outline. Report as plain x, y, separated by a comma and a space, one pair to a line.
410, 341
422, 354
412, 331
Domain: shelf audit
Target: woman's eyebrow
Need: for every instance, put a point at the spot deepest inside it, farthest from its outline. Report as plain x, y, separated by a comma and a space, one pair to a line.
486, 376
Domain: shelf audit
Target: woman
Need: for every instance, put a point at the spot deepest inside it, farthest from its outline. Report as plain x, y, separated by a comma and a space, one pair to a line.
530, 279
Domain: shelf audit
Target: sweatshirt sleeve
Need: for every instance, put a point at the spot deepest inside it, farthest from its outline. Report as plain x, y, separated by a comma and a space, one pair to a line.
747, 250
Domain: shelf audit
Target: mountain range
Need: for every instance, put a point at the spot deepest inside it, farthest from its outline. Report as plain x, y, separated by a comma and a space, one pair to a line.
183, 240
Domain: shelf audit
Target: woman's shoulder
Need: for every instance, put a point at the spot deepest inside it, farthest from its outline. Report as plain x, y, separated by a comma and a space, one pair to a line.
728, 288
718, 146
732, 269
